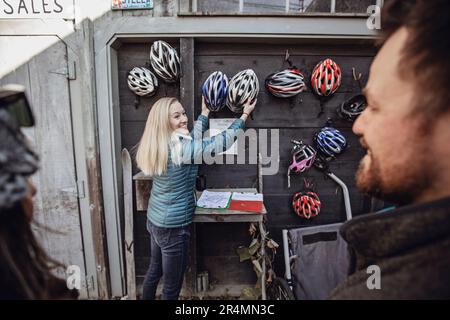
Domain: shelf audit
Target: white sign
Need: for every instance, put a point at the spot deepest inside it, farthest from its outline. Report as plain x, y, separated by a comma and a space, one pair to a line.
37, 9
217, 126
132, 4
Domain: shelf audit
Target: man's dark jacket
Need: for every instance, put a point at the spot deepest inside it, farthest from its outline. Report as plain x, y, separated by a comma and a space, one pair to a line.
411, 246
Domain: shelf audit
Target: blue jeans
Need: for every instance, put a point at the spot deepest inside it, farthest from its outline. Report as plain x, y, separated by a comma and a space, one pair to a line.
168, 259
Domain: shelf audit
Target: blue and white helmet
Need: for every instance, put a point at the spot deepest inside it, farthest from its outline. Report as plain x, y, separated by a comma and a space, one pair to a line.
215, 90
330, 141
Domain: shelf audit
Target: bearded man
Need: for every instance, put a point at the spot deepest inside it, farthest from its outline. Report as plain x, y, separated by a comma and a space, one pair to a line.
405, 253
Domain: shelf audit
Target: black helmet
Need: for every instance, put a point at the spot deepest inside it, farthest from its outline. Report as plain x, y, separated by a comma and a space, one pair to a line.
352, 108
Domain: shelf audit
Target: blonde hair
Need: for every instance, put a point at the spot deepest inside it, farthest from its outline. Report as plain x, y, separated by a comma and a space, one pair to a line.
153, 149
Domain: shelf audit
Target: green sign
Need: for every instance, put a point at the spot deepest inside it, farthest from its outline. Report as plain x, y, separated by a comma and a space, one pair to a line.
132, 4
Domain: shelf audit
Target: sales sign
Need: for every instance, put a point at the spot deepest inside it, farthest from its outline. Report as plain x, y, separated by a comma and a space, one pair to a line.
37, 9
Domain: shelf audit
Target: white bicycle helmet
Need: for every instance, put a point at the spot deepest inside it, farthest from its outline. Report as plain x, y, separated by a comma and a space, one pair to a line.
142, 81
286, 83
242, 87
165, 61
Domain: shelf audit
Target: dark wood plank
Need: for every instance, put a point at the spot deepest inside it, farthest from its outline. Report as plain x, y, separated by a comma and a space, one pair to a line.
190, 277
187, 77
142, 189
265, 65
296, 118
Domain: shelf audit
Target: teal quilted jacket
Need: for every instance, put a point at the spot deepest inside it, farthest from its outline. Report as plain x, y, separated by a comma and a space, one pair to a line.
172, 199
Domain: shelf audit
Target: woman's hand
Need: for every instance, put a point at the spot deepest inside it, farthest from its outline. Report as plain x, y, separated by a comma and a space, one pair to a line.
205, 110
248, 108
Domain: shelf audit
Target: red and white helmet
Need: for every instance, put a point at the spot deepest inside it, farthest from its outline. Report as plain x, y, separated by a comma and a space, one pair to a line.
286, 83
165, 61
326, 78
306, 204
142, 81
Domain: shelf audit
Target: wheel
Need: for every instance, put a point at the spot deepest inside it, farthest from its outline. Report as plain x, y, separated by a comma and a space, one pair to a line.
279, 290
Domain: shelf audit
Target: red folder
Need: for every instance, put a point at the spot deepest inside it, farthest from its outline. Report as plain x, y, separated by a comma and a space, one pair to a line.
242, 205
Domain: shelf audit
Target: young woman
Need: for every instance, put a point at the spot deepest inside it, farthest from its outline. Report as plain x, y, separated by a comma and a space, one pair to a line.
26, 270
169, 153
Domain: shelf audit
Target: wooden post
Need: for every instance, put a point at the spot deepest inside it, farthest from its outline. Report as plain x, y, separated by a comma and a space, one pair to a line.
263, 254
260, 176
190, 278
128, 217
187, 78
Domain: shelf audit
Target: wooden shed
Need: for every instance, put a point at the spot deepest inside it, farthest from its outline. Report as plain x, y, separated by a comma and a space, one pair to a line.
222, 35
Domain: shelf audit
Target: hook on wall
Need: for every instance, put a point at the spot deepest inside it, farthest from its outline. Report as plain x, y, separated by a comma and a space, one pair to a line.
357, 77
286, 58
137, 101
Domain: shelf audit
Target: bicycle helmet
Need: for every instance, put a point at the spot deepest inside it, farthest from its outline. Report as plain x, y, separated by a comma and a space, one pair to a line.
242, 87
286, 83
142, 81
326, 78
303, 156
215, 90
306, 204
330, 141
352, 108
165, 61
321, 163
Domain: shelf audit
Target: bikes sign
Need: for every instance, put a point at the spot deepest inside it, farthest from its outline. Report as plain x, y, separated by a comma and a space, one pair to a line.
132, 4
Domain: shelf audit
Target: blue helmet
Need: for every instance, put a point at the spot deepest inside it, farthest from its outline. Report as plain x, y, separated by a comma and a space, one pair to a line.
330, 141
215, 90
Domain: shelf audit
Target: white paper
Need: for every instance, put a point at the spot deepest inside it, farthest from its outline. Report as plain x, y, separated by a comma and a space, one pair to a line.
214, 199
217, 126
247, 196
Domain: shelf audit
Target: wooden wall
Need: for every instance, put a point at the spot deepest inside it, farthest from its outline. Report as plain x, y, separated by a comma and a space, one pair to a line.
56, 205
294, 118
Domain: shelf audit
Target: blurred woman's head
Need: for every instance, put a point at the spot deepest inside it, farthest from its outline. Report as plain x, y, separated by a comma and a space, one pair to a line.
26, 271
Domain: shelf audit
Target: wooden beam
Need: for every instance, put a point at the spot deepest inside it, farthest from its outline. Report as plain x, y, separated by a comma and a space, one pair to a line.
187, 77
128, 219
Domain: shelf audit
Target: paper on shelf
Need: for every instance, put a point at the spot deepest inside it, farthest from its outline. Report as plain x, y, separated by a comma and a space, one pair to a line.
247, 196
214, 199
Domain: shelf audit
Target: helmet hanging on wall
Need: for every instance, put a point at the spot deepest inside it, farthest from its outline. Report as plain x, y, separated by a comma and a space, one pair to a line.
326, 78
165, 61
303, 156
352, 108
215, 90
330, 141
306, 204
286, 83
142, 81
243, 86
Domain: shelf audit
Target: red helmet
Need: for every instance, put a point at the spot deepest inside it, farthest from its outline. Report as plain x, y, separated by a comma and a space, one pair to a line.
326, 77
306, 204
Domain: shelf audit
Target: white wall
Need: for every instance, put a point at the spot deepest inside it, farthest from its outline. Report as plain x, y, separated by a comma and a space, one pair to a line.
22, 39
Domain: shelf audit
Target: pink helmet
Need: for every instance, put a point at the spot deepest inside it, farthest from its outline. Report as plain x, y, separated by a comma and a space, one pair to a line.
303, 156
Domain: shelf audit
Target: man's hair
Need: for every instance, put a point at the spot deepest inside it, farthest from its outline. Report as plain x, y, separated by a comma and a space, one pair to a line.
426, 54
